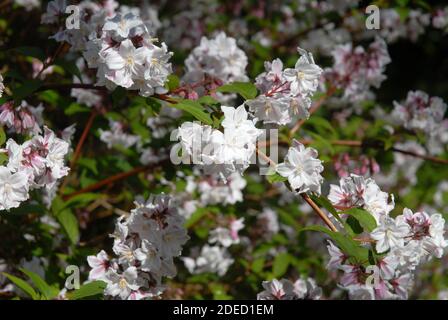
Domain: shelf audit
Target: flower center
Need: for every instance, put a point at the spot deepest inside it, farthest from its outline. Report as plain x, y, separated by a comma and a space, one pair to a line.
300, 75
122, 283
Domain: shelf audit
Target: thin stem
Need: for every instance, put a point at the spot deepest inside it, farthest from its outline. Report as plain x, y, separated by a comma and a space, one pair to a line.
321, 214
308, 200
81, 141
111, 180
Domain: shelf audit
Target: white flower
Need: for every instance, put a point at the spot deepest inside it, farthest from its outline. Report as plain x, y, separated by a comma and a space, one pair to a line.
271, 109
99, 265
149, 256
390, 233
305, 76
126, 62
121, 284
302, 168
219, 58
213, 190
2, 86
212, 259
227, 236
55, 9
13, 188
277, 290
307, 289
357, 191
122, 25
337, 257
117, 137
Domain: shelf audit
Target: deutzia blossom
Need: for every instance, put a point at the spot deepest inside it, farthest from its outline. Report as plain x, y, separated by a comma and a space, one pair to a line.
305, 76
121, 285
126, 63
357, 191
219, 57
420, 112
117, 137
302, 168
212, 259
227, 236
356, 70
220, 152
390, 233
13, 188
120, 46
2, 86
284, 289
213, 190
99, 264
145, 243
286, 94
42, 158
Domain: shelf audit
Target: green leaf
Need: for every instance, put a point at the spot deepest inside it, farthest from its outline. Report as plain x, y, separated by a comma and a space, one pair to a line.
173, 82
26, 89
3, 158
280, 265
70, 224
324, 202
195, 109
89, 164
34, 52
75, 108
245, 89
258, 264
69, 66
47, 291
81, 200
365, 219
207, 100
195, 217
2, 136
21, 284
349, 246
275, 178
90, 289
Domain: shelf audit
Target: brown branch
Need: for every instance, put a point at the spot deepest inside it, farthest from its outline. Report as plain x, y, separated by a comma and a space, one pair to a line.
81, 141
308, 200
379, 146
78, 149
321, 214
50, 61
424, 157
110, 180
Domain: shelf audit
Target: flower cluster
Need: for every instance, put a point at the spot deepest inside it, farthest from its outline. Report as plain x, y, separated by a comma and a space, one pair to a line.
356, 70
400, 243
359, 192
302, 168
145, 243
301, 289
119, 45
24, 119
37, 163
420, 112
214, 257
221, 152
286, 94
219, 58
117, 137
